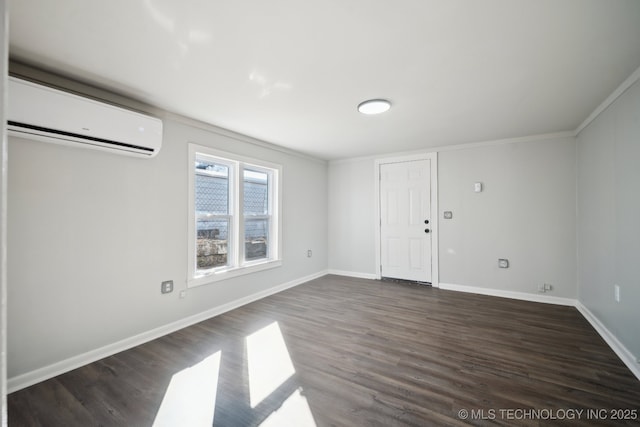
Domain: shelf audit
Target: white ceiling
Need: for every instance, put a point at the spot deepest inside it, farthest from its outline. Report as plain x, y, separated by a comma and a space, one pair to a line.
292, 72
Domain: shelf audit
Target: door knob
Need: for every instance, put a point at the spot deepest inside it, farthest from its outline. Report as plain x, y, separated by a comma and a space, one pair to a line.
426, 230
426, 221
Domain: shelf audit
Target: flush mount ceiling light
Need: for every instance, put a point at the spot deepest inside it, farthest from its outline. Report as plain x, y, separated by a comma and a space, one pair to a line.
374, 106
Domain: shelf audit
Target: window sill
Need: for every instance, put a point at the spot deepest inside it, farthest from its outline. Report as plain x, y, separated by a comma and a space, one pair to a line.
233, 272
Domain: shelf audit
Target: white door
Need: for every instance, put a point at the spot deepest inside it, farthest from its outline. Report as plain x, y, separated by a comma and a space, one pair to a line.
405, 220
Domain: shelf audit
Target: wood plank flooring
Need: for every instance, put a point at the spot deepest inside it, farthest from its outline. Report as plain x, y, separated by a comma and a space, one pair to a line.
365, 353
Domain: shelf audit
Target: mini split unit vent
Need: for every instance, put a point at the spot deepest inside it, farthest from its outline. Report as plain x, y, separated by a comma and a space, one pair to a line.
46, 114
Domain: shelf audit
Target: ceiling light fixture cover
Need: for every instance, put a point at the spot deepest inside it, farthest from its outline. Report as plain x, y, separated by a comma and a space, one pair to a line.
374, 106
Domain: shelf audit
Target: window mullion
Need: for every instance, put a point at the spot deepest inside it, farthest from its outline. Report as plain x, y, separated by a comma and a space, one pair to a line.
240, 214
211, 216
272, 250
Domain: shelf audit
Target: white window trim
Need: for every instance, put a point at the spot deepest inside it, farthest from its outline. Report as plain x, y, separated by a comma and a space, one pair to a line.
236, 248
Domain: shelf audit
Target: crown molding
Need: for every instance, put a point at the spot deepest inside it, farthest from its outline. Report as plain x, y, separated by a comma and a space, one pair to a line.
630, 81
465, 146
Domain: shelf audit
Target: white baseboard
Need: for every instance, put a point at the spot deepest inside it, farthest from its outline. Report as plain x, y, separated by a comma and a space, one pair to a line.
354, 274
25, 380
509, 294
623, 352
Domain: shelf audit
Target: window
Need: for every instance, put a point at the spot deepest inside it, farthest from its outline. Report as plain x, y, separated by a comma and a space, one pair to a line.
234, 225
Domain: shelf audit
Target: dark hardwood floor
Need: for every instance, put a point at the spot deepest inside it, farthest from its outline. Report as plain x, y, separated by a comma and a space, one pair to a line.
351, 352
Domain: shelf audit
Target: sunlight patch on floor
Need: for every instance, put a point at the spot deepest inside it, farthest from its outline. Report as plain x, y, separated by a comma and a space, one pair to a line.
269, 362
190, 399
295, 411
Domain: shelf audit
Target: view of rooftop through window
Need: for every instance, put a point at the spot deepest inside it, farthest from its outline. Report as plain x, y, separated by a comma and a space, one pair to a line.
256, 214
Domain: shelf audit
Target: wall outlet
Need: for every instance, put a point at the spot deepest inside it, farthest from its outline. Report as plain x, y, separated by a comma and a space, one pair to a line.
616, 293
448, 214
183, 293
309, 253
545, 287
503, 263
166, 286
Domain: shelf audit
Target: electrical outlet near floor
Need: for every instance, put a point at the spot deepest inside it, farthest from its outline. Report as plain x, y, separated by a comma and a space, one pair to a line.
309, 253
166, 286
545, 287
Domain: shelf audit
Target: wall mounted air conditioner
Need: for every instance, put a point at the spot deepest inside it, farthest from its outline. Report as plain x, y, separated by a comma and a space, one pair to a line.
47, 114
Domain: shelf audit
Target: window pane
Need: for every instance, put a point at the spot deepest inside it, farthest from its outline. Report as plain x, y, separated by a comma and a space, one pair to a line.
256, 193
256, 238
211, 243
212, 188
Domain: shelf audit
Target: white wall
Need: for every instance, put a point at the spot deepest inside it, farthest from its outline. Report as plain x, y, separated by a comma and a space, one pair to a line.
92, 235
526, 213
352, 217
609, 217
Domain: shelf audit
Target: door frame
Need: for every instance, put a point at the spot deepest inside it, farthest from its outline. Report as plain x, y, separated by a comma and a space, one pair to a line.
433, 157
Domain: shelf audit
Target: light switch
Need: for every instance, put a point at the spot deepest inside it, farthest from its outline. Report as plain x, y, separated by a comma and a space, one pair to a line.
477, 187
